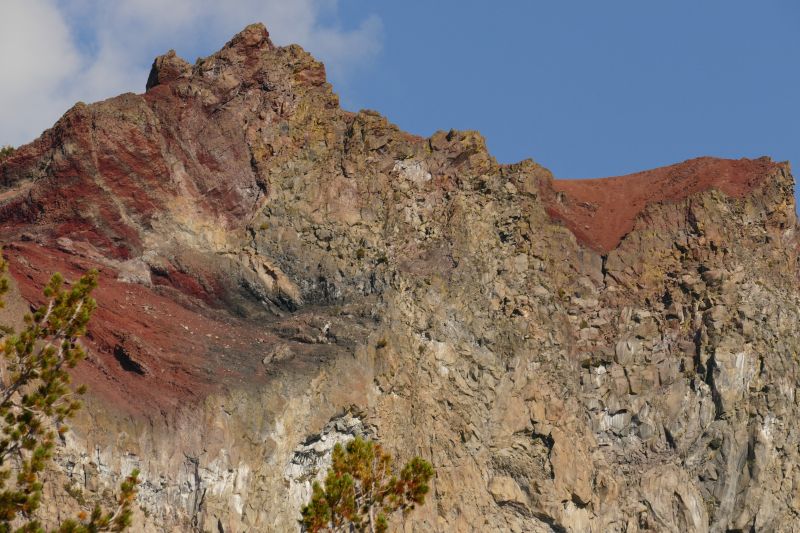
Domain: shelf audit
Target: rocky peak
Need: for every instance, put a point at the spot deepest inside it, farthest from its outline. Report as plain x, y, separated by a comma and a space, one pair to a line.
167, 68
247, 47
277, 274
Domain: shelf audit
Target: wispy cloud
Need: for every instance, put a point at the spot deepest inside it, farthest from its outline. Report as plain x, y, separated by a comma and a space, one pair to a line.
60, 52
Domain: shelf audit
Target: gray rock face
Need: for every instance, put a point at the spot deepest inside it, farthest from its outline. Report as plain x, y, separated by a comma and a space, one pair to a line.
311, 459
418, 293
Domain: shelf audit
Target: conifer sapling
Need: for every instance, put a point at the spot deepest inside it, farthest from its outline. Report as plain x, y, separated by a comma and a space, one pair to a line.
360, 490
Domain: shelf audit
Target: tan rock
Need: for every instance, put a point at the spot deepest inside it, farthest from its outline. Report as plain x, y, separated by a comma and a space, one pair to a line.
676, 505
572, 468
505, 489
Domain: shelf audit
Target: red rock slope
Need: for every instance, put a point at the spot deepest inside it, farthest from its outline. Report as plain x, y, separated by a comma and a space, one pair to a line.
600, 212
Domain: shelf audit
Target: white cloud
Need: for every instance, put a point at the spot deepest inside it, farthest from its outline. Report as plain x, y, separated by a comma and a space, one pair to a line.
60, 52
37, 52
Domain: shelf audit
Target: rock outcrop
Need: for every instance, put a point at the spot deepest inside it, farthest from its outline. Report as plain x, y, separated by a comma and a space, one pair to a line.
278, 275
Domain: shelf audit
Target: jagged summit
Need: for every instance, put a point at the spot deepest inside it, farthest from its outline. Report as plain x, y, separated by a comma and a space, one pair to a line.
258, 86
246, 47
595, 355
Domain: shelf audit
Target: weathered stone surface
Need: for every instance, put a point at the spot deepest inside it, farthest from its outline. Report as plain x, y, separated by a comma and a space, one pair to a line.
505, 489
279, 275
674, 503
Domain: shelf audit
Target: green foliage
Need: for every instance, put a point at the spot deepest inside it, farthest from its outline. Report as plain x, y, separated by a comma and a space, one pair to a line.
589, 363
361, 253
360, 490
38, 400
6, 151
76, 493
117, 521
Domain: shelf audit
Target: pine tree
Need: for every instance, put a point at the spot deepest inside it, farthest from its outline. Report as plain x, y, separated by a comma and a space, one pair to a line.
38, 401
360, 490
6, 150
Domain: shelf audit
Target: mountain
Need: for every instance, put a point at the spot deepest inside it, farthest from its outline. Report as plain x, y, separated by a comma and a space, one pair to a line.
278, 275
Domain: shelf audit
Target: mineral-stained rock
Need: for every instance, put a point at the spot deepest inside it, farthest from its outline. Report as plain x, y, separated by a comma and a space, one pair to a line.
278, 275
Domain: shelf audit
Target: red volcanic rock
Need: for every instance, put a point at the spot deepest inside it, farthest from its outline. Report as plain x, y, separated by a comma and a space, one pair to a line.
152, 350
170, 180
146, 351
177, 158
600, 212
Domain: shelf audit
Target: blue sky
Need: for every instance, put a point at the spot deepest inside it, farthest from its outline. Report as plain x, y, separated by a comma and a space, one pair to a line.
588, 89
592, 89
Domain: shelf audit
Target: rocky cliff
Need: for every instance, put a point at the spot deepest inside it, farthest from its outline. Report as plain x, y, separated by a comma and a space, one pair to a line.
278, 275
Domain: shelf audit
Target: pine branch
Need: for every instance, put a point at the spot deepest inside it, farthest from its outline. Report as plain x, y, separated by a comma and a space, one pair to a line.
370, 491
39, 357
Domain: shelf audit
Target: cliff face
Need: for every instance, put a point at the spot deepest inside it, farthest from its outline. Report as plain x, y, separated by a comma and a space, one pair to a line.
278, 275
